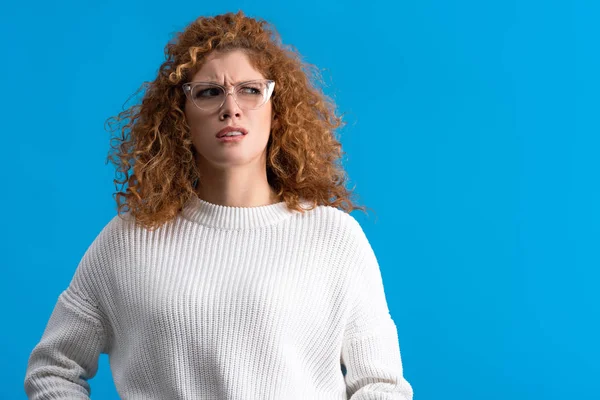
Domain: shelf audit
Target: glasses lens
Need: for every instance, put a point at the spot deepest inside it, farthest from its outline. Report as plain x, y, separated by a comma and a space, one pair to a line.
251, 95
207, 96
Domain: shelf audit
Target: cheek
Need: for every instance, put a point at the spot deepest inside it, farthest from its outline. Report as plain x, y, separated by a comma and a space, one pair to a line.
191, 117
196, 122
266, 118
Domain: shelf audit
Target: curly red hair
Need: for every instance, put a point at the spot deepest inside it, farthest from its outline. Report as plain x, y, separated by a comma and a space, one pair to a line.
303, 154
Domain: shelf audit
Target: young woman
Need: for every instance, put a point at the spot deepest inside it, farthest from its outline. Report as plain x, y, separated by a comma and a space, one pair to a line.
233, 269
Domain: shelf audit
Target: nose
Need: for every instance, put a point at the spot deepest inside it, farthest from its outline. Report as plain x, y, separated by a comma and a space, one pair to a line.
229, 107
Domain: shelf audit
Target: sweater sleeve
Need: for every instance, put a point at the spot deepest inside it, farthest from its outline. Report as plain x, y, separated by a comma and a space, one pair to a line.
371, 350
67, 354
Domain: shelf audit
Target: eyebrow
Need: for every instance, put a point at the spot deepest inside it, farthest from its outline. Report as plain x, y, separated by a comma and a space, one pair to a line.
235, 83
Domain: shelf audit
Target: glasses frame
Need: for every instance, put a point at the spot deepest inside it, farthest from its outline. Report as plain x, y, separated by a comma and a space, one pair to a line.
188, 88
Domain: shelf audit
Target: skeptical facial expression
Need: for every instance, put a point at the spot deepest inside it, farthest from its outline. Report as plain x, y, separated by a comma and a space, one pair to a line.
228, 69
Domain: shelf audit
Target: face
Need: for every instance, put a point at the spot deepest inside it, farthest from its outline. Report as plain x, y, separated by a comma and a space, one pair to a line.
228, 69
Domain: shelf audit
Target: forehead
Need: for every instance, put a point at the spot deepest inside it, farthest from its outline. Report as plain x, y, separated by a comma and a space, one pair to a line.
227, 68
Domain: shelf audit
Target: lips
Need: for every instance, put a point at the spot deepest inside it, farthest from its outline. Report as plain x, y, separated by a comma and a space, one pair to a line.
228, 129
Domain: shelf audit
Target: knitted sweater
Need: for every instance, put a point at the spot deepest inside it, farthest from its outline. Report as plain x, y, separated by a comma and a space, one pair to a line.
225, 303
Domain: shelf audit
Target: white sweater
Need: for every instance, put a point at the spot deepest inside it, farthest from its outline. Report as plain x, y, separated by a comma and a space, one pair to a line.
225, 303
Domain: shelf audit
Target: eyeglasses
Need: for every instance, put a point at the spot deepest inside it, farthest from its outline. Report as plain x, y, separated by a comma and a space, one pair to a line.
249, 95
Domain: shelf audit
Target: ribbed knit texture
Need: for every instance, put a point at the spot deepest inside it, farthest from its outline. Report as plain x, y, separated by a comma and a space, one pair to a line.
225, 303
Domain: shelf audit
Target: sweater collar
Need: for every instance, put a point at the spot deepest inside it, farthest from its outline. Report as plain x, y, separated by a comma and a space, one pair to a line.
229, 217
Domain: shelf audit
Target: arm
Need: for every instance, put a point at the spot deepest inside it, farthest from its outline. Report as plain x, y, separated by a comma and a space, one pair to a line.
67, 354
371, 350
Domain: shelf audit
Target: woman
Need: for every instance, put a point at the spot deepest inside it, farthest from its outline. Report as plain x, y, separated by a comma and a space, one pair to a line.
233, 269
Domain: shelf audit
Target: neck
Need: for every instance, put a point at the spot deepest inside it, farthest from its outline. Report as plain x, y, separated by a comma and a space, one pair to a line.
237, 186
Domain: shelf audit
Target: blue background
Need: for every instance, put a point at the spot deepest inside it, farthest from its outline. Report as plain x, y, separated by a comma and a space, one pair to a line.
472, 132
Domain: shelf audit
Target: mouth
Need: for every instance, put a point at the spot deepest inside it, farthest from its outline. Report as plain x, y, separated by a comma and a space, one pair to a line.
232, 131
233, 138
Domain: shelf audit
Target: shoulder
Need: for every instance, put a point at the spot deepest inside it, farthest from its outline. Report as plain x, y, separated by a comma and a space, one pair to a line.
95, 267
117, 226
111, 237
339, 223
111, 245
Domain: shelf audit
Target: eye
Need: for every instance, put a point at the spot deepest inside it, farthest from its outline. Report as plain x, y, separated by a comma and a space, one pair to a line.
209, 92
250, 90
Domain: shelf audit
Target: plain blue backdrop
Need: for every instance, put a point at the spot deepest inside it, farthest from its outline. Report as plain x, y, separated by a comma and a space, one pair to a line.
472, 131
